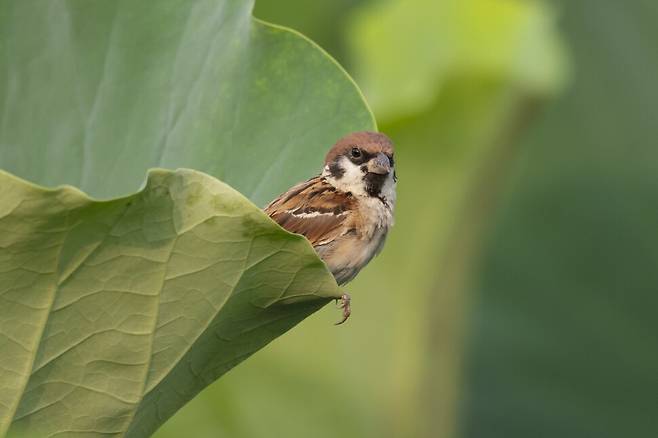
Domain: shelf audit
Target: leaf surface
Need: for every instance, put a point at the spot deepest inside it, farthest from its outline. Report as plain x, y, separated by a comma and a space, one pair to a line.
116, 313
94, 92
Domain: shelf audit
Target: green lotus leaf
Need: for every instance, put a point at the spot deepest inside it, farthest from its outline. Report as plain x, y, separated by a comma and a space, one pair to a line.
95, 92
115, 313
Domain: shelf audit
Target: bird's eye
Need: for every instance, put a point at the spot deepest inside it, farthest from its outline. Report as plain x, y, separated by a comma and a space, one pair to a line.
356, 153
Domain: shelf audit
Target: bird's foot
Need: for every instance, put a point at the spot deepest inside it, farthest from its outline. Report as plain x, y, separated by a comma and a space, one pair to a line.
344, 303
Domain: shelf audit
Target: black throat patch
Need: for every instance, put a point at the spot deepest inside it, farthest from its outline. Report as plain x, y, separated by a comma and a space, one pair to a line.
374, 183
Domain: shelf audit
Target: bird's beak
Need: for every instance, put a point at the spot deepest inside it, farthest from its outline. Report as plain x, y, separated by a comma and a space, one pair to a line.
380, 164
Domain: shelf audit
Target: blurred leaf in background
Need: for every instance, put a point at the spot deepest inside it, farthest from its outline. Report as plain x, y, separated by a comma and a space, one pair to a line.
470, 76
405, 51
369, 377
563, 336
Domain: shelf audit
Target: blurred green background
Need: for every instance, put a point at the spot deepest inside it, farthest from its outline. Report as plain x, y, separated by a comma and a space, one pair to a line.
517, 295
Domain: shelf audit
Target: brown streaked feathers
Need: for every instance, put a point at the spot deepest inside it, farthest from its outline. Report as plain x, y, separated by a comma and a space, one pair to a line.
314, 209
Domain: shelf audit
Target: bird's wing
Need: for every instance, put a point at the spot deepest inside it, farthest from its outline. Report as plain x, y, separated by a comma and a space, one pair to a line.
314, 209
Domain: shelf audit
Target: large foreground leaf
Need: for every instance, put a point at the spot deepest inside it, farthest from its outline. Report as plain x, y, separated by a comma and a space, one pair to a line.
114, 314
95, 92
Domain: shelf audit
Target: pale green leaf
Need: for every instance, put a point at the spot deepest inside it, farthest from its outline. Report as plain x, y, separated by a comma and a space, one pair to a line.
406, 50
114, 314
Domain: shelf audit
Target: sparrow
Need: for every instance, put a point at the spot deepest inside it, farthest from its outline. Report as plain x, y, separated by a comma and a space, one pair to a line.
346, 210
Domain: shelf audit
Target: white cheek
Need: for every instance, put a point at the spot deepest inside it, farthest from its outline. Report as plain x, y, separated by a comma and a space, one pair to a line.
352, 179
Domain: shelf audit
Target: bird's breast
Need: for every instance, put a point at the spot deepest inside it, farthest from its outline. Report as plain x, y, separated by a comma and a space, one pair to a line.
346, 256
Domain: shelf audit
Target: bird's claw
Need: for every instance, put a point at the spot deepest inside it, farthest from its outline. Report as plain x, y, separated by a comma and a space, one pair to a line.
344, 303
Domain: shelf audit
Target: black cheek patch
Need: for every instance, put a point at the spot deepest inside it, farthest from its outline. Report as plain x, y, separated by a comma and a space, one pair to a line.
336, 170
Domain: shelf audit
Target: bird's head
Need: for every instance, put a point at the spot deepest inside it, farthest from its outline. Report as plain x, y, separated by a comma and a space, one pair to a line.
362, 163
